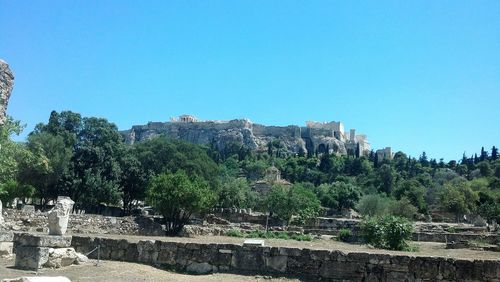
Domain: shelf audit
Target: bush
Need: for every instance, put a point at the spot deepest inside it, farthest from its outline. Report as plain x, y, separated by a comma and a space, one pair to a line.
344, 235
269, 235
373, 205
388, 232
177, 197
235, 233
403, 208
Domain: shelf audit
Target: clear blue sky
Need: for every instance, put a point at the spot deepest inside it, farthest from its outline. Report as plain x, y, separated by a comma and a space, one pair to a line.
414, 75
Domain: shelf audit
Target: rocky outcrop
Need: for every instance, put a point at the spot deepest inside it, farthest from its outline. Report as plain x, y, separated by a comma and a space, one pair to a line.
289, 140
6, 85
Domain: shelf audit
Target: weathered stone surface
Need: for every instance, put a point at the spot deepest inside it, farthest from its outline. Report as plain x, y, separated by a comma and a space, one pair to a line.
317, 138
6, 85
62, 257
6, 236
1, 216
38, 279
33, 258
318, 265
6, 248
277, 263
40, 240
199, 268
147, 251
254, 242
59, 216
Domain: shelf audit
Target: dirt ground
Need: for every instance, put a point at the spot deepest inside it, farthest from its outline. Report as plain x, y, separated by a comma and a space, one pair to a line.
112, 271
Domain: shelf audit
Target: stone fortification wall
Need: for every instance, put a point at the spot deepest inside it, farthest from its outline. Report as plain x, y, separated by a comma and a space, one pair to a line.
325, 265
277, 131
295, 139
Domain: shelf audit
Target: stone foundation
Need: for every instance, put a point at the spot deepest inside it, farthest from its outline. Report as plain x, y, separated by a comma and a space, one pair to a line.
313, 264
6, 244
33, 251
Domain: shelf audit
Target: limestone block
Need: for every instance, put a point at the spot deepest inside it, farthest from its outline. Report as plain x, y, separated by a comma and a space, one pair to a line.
148, 251
59, 216
6, 248
38, 279
254, 242
6, 236
199, 268
39, 240
277, 263
61, 257
248, 260
1, 216
32, 258
81, 258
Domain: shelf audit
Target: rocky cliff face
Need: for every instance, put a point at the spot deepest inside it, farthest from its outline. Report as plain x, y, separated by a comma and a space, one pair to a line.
6, 84
292, 139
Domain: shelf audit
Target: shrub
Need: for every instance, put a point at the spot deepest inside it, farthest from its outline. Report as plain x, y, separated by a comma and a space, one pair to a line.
388, 232
177, 197
403, 208
373, 205
344, 235
235, 233
269, 235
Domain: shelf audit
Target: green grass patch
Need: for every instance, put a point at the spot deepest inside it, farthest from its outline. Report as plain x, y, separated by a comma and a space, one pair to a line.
269, 235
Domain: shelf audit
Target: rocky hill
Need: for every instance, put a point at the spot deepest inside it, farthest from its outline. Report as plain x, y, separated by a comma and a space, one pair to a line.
312, 138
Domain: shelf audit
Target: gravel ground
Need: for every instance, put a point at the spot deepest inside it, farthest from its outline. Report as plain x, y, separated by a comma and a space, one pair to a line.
123, 271
112, 271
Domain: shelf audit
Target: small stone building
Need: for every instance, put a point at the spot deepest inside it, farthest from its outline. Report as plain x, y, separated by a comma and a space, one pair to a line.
272, 176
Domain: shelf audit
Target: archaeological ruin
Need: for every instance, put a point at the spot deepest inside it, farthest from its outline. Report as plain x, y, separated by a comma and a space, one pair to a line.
314, 138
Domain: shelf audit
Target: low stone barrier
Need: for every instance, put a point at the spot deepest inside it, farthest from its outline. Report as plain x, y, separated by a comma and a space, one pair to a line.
456, 237
314, 264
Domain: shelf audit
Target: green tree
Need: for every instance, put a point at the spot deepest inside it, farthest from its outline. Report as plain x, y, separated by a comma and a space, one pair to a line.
386, 179
236, 193
459, 198
133, 180
347, 195
10, 151
414, 192
95, 171
161, 154
286, 202
403, 208
177, 197
373, 205
50, 163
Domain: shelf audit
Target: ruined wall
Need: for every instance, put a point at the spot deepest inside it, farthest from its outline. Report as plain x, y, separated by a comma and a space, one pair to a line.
6, 85
18, 220
322, 265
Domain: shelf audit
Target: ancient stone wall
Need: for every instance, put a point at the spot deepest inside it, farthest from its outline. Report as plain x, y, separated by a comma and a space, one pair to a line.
295, 139
314, 264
